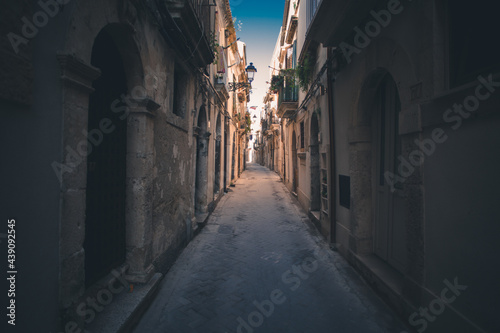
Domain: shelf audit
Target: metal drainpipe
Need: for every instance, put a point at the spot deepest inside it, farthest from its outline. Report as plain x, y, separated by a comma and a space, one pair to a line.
333, 169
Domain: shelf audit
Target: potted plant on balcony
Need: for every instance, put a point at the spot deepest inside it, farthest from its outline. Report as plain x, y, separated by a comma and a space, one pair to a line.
276, 83
305, 71
219, 78
214, 45
248, 122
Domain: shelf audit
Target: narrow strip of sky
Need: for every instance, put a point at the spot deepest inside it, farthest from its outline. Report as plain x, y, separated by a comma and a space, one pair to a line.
261, 21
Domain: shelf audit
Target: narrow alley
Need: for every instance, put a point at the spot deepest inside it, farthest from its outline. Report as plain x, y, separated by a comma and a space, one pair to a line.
260, 266
236, 166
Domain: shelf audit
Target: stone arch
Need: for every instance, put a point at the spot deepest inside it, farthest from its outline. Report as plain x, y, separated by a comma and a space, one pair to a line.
138, 118
78, 76
391, 58
295, 170
233, 157
218, 152
201, 199
118, 20
127, 46
104, 242
361, 150
392, 61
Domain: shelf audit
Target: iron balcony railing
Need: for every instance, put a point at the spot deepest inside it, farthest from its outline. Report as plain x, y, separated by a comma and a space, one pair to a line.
187, 26
288, 93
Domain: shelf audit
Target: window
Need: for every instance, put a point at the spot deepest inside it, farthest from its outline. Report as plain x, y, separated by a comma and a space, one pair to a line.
312, 7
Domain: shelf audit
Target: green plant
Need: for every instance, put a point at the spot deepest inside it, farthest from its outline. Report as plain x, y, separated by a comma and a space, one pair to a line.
214, 45
248, 122
276, 83
285, 75
305, 71
289, 72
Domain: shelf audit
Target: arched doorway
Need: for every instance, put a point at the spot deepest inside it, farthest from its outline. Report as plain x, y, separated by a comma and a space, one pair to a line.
295, 171
201, 163
389, 233
314, 160
238, 153
106, 165
218, 138
271, 150
233, 159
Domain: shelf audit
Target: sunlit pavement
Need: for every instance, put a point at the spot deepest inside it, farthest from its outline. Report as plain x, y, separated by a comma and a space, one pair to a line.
259, 266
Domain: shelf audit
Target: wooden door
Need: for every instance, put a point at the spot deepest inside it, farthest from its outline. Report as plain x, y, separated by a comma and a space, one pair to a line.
390, 227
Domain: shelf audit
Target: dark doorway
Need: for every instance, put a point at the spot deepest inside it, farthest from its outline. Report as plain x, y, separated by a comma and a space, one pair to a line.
218, 138
201, 163
390, 231
295, 171
315, 174
238, 153
233, 159
106, 165
272, 154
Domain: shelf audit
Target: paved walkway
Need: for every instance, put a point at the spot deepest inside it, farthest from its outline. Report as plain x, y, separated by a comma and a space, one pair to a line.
259, 266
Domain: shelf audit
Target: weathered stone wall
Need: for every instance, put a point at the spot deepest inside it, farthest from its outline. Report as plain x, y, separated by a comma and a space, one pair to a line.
48, 80
454, 183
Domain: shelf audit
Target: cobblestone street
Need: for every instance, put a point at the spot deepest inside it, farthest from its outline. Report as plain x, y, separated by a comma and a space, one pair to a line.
260, 266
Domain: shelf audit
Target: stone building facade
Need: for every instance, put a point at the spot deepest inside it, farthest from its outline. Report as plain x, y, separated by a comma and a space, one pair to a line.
122, 139
407, 94
296, 126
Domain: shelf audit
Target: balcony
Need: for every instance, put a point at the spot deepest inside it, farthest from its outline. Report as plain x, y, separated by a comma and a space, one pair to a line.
220, 86
288, 97
292, 27
187, 23
275, 125
334, 20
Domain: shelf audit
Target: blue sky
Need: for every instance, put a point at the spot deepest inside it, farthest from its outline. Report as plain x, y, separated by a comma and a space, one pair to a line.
261, 20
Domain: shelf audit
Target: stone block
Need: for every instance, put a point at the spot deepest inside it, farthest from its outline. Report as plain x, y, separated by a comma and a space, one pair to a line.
72, 222
72, 283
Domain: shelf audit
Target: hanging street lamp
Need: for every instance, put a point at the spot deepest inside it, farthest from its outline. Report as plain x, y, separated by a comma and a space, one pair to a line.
251, 70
